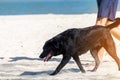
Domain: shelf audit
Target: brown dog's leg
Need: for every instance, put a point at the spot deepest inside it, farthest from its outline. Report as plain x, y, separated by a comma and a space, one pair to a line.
77, 60
109, 46
112, 52
97, 58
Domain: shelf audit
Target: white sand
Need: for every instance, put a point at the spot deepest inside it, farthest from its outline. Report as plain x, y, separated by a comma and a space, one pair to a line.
21, 41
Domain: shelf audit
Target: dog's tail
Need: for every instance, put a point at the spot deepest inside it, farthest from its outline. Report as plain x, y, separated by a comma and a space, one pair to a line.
114, 24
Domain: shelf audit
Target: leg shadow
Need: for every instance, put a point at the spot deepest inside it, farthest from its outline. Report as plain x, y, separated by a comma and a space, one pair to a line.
26, 73
22, 58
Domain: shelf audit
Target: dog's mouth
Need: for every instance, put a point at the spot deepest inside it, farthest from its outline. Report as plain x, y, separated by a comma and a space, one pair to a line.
47, 57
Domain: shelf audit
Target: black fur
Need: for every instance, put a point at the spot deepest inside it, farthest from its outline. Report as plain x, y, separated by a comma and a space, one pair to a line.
75, 42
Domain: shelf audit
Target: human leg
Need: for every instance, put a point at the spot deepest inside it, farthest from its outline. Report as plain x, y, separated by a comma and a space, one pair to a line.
106, 11
101, 21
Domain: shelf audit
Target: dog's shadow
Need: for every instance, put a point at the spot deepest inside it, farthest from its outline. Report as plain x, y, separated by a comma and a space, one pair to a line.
14, 59
32, 73
28, 73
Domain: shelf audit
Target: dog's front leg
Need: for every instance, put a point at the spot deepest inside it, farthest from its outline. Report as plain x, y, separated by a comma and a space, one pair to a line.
77, 60
64, 61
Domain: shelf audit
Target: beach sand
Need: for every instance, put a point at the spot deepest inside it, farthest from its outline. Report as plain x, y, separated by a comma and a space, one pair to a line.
21, 41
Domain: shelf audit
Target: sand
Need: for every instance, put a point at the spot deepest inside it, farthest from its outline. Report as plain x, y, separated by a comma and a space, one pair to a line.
21, 41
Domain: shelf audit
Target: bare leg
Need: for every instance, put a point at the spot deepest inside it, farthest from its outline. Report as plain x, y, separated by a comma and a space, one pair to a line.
101, 21
98, 22
104, 21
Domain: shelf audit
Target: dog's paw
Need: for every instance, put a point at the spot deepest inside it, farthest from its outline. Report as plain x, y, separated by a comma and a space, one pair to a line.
54, 73
93, 70
83, 71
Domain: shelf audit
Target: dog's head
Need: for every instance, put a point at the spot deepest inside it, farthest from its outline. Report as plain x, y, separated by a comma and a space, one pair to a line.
52, 47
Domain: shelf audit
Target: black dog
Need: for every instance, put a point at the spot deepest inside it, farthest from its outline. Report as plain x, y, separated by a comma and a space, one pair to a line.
75, 42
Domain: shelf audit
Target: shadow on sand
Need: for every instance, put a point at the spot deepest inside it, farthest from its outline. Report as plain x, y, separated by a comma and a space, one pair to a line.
22, 58
13, 59
27, 73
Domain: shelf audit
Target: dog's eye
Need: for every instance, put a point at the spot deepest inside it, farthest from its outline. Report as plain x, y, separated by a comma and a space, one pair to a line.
45, 49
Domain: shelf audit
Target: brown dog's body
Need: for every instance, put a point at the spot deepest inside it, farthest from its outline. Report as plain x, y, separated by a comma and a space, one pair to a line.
75, 42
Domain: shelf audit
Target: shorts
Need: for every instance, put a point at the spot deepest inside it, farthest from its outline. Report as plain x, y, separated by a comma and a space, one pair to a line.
107, 8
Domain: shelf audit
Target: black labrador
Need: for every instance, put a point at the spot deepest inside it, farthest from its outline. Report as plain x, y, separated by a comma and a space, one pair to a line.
75, 42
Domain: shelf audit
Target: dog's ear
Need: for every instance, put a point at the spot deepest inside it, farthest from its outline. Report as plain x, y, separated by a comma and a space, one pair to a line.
56, 44
56, 41
59, 45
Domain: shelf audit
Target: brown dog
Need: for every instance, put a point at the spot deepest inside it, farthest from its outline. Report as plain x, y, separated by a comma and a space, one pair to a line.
75, 42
